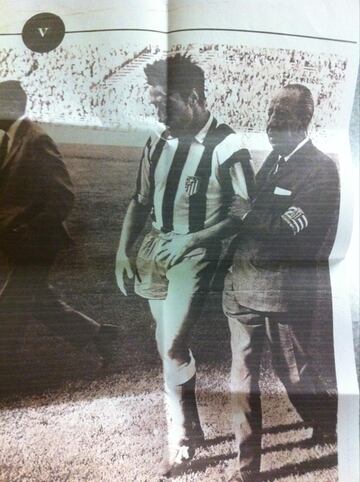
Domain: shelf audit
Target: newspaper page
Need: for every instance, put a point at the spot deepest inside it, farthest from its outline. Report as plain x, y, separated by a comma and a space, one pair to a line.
176, 209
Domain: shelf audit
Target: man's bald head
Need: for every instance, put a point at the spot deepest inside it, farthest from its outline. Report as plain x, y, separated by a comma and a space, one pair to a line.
290, 113
304, 101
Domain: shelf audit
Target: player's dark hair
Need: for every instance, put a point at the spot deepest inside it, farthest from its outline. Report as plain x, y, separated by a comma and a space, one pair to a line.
177, 74
305, 102
13, 93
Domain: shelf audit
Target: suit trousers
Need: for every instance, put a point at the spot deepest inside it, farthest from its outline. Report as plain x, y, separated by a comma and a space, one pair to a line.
27, 294
249, 330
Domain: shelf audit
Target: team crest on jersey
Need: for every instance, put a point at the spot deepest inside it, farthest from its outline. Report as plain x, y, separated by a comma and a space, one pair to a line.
192, 185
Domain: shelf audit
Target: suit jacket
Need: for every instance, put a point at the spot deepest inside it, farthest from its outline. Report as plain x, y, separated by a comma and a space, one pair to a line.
36, 195
288, 233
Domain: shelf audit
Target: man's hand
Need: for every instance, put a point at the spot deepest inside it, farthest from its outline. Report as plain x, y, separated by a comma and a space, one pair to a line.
124, 267
175, 248
239, 208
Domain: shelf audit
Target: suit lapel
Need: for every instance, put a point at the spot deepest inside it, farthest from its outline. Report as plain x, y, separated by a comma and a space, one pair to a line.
266, 183
262, 178
297, 162
306, 151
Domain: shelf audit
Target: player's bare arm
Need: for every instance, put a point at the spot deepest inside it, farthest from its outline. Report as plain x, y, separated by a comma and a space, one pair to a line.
135, 219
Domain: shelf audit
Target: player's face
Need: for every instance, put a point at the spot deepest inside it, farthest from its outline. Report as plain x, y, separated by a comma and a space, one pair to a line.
285, 126
158, 99
172, 110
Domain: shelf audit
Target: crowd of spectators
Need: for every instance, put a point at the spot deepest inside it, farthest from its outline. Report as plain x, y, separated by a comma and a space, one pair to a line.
105, 86
73, 85
241, 81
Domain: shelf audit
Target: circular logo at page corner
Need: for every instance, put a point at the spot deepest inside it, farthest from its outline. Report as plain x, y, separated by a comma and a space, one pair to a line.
43, 32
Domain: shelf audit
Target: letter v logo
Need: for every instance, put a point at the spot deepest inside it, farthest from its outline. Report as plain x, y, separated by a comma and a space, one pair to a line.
43, 31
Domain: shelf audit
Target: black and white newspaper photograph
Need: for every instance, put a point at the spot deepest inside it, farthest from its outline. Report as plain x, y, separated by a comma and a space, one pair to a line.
179, 241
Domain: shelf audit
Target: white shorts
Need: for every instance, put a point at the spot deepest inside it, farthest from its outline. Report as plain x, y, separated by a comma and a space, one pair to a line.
193, 274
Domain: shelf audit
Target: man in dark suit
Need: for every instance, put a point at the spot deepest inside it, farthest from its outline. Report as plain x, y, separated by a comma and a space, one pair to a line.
36, 196
270, 292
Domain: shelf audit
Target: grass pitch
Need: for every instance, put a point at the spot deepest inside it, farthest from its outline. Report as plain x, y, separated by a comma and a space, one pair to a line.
78, 426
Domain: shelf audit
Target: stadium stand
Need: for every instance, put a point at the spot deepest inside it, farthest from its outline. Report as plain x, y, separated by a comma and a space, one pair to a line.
102, 86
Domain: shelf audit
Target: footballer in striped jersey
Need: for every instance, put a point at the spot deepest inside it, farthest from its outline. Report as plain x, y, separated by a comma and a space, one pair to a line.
187, 178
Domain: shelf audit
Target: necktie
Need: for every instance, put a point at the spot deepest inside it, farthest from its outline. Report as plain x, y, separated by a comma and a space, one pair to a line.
4, 148
280, 163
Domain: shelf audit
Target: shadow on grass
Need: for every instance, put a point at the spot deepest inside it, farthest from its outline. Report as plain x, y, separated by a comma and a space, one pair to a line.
218, 440
202, 464
302, 444
284, 428
320, 463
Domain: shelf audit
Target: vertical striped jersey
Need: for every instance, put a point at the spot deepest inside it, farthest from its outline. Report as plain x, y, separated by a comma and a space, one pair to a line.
189, 182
